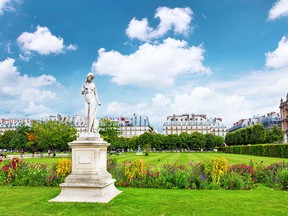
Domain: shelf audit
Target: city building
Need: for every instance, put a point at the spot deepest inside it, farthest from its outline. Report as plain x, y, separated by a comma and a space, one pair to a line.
12, 124
268, 121
190, 123
134, 125
284, 117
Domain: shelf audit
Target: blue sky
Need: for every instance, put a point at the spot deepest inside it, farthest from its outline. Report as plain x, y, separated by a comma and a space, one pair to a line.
222, 58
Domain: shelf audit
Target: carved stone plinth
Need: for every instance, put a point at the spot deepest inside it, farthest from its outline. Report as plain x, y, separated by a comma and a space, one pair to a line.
89, 181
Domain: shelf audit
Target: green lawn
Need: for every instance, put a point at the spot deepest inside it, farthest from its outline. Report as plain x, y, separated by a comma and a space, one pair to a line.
134, 201
180, 158
184, 158
49, 161
34, 201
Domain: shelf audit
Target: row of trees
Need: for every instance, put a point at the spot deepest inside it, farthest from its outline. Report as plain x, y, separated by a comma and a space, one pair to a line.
148, 141
56, 135
40, 137
255, 135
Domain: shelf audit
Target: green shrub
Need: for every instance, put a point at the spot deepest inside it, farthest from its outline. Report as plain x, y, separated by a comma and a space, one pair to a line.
267, 150
232, 181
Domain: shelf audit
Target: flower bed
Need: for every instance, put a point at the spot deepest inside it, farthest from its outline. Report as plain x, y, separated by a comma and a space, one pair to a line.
213, 174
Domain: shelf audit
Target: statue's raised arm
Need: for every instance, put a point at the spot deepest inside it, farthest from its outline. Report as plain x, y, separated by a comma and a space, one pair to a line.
91, 98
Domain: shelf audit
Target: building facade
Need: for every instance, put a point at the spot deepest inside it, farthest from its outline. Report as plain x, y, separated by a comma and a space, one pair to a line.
190, 123
268, 121
284, 117
12, 124
134, 125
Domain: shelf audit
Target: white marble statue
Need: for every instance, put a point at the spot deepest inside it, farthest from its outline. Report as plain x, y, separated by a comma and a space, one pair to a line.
91, 98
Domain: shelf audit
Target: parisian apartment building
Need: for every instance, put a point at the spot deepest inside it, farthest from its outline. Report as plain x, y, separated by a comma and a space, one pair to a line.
189, 123
284, 117
13, 123
268, 121
134, 125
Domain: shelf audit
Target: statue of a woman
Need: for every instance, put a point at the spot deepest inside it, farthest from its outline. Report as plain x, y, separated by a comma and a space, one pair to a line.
91, 98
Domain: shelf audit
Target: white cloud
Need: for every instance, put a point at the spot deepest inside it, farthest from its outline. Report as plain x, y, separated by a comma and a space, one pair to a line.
7, 47
72, 47
7, 5
279, 9
256, 93
177, 19
42, 42
154, 66
35, 111
20, 89
279, 57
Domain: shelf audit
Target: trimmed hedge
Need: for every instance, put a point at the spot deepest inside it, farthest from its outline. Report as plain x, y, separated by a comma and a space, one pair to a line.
268, 150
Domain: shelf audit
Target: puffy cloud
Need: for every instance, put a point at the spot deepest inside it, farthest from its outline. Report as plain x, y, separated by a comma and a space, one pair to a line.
279, 9
153, 66
36, 111
279, 57
42, 42
17, 89
252, 94
177, 19
7, 5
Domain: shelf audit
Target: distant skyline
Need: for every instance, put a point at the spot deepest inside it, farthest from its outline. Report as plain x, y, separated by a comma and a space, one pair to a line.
226, 59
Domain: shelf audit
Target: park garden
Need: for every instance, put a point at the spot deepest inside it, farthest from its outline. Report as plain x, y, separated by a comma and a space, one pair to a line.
184, 179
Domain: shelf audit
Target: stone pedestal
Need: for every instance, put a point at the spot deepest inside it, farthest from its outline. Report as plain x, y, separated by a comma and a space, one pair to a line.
89, 181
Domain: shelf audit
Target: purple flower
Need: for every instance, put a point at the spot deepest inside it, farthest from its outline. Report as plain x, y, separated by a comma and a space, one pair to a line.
203, 177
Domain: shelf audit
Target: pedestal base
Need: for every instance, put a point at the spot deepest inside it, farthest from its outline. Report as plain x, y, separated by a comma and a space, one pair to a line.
82, 192
89, 181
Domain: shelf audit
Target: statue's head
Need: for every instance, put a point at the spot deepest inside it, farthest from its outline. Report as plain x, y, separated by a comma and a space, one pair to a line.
90, 77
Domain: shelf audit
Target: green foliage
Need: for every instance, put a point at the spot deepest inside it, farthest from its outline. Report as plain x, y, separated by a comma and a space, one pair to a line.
213, 174
109, 130
268, 150
208, 175
18, 173
258, 134
274, 135
254, 134
6, 139
54, 134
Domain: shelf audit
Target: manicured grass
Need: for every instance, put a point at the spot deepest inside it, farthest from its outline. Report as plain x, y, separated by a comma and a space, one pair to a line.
49, 161
184, 158
158, 159
34, 201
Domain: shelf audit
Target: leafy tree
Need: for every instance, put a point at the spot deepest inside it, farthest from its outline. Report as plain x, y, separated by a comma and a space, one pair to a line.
145, 139
210, 141
158, 141
237, 137
197, 140
248, 132
6, 139
274, 135
184, 137
1, 145
132, 143
229, 138
20, 139
258, 134
219, 141
53, 134
109, 131
172, 141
